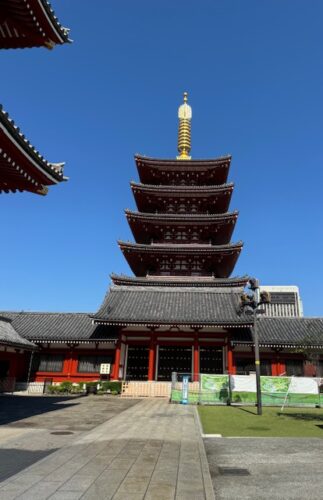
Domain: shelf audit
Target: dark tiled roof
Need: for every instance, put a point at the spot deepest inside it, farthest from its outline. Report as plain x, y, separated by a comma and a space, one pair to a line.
163, 171
218, 260
57, 326
181, 190
9, 336
164, 218
185, 163
171, 305
153, 306
286, 331
180, 281
151, 198
181, 248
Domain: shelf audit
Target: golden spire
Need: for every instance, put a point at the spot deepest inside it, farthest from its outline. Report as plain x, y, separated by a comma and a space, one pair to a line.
184, 130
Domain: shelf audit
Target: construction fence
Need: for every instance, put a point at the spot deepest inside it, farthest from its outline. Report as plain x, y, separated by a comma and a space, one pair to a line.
9, 385
241, 390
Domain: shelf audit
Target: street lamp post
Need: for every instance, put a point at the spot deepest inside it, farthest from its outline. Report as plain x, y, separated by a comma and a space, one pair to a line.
249, 305
257, 362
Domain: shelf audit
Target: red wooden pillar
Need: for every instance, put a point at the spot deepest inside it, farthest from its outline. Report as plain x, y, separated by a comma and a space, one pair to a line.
196, 359
116, 368
274, 372
74, 363
152, 359
13, 364
309, 368
230, 361
69, 362
278, 368
281, 370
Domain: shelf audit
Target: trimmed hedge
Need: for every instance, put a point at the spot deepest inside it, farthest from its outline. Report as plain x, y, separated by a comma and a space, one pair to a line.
114, 387
68, 387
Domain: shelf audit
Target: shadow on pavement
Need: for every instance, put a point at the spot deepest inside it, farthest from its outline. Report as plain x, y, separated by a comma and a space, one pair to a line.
15, 408
13, 461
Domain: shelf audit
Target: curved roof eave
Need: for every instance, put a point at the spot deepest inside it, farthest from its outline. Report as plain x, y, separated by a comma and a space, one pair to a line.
53, 171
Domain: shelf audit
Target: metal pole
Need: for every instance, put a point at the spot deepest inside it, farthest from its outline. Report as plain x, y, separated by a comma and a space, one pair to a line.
30, 366
257, 363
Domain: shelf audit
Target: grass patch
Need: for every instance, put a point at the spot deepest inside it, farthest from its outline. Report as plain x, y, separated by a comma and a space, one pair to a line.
244, 421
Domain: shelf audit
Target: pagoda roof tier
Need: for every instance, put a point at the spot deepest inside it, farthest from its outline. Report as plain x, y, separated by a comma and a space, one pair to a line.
22, 168
30, 24
171, 306
168, 172
180, 281
181, 260
212, 199
185, 228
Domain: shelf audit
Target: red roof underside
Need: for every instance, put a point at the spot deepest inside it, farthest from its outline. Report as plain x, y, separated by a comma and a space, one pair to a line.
214, 202
13, 160
218, 231
207, 262
23, 27
170, 172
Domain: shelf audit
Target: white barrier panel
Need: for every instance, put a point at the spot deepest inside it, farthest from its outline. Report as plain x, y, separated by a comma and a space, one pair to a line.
300, 385
31, 388
243, 383
146, 389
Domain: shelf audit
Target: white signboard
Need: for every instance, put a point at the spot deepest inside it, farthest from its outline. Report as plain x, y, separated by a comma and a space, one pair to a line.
302, 385
185, 389
243, 383
105, 368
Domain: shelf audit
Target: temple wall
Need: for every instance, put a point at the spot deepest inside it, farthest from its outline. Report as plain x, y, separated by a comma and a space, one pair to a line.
140, 358
70, 364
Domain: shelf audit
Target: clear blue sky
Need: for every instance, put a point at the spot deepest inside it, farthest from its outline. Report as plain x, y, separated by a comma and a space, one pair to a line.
253, 70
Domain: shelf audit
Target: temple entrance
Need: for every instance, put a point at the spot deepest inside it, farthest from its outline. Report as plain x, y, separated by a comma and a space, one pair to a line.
4, 368
137, 363
211, 359
173, 359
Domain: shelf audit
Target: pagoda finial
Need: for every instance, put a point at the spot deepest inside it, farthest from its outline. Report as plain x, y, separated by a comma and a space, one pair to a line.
184, 130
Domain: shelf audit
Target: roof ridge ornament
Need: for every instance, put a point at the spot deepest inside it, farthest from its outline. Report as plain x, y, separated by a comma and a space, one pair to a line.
184, 130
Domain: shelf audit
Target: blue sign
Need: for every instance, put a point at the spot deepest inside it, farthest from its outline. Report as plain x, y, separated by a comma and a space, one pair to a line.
185, 389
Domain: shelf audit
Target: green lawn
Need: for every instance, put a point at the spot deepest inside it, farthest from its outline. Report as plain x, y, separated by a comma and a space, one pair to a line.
244, 421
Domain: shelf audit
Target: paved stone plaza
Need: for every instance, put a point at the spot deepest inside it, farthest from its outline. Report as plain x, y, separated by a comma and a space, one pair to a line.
146, 450
33, 427
266, 468
124, 449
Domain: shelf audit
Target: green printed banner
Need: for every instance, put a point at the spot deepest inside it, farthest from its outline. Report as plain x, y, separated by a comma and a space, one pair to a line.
275, 385
176, 396
214, 389
241, 389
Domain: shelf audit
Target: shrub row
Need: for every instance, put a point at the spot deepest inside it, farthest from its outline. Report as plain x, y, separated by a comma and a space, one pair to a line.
68, 387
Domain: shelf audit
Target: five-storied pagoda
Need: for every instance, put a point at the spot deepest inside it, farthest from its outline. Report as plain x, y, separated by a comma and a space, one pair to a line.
180, 312
177, 313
